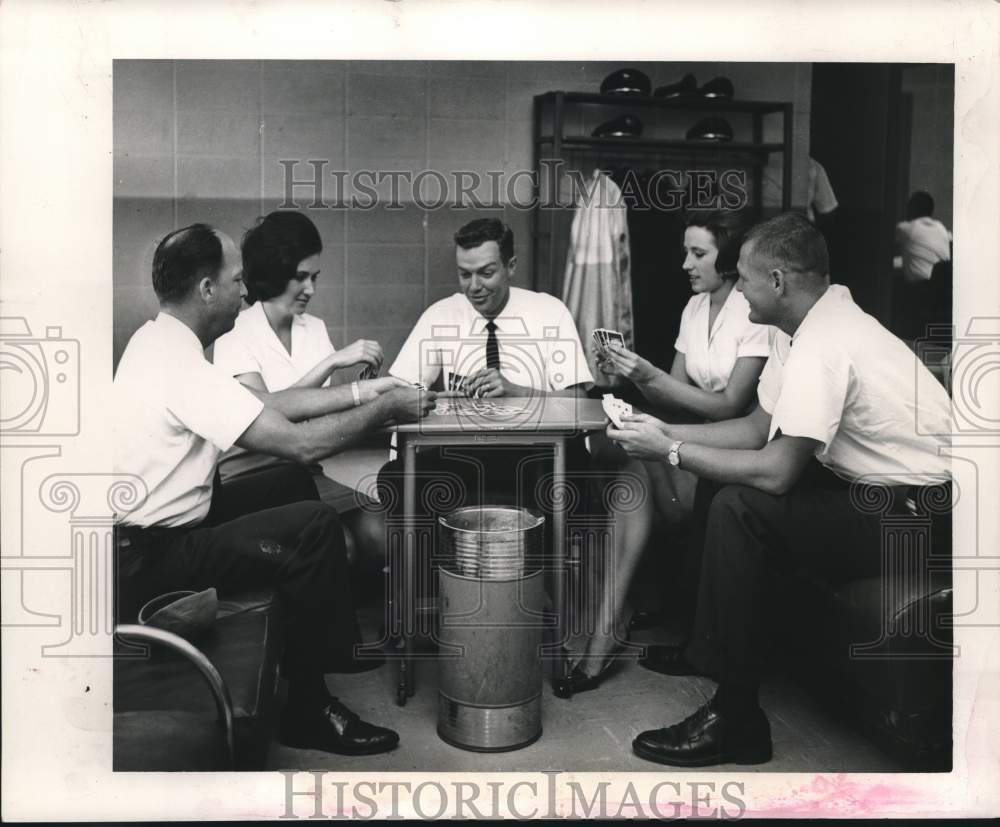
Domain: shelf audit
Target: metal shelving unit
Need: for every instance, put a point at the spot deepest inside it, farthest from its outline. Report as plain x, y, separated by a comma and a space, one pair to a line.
553, 112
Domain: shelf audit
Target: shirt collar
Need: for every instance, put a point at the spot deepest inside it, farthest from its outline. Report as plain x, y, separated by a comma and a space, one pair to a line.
722, 311
833, 298
509, 321
267, 332
178, 330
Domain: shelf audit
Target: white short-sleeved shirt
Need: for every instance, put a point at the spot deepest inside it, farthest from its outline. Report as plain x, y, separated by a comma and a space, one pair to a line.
709, 357
847, 382
923, 242
252, 346
819, 194
538, 341
174, 414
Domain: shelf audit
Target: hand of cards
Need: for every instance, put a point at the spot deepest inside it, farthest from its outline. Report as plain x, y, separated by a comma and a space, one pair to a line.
615, 408
602, 338
455, 382
370, 372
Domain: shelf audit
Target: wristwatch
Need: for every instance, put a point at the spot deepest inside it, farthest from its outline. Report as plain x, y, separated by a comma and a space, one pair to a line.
673, 455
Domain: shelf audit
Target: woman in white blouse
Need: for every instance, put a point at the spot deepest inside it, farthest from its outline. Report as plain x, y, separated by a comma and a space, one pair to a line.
276, 345
719, 356
720, 352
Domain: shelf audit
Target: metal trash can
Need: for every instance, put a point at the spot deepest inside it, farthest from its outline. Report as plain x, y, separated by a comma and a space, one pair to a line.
491, 599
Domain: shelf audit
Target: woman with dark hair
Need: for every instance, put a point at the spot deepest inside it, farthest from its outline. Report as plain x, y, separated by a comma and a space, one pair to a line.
719, 356
276, 345
719, 351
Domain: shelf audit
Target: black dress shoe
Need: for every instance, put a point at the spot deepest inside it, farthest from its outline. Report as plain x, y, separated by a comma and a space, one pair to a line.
708, 737
668, 660
334, 728
580, 681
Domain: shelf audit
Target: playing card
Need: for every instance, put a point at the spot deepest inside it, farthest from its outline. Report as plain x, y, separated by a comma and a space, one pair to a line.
370, 372
615, 337
603, 337
615, 408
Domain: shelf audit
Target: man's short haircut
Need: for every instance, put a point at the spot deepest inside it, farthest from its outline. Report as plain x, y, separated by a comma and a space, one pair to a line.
478, 232
183, 258
920, 204
728, 228
272, 251
790, 241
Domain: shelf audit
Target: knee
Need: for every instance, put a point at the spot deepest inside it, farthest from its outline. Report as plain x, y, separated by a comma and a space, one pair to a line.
292, 483
734, 500
732, 513
318, 526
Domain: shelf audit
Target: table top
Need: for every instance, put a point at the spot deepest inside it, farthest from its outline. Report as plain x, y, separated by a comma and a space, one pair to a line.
543, 413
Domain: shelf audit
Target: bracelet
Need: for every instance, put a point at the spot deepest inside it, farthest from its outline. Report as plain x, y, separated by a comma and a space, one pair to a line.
356, 393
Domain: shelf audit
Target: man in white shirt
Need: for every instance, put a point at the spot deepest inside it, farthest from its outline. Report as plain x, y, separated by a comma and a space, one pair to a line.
175, 413
923, 240
837, 387
502, 340
491, 339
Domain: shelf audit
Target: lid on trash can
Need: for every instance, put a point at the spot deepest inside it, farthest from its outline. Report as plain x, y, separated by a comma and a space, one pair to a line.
491, 542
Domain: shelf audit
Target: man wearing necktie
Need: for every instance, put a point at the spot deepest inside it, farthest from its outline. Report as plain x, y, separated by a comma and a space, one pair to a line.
492, 339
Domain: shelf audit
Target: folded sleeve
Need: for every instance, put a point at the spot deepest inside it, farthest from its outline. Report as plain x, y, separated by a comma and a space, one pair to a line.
753, 341
234, 354
681, 345
814, 393
418, 360
769, 383
566, 364
214, 405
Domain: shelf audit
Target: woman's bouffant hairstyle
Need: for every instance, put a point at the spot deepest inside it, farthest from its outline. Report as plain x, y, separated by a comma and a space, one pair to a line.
272, 251
728, 227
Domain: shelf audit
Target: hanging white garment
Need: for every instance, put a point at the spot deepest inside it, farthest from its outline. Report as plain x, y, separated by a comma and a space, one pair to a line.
597, 287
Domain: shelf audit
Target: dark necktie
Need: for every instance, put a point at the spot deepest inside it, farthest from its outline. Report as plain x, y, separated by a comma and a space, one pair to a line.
492, 346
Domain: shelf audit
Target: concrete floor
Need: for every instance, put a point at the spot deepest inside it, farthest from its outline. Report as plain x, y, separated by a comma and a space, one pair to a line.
591, 732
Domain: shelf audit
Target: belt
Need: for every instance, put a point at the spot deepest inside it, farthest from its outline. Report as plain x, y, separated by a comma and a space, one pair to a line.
912, 499
130, 535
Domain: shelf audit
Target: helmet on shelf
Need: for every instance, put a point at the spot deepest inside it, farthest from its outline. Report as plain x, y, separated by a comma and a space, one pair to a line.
626, 82
624, 126
711, 129
686, 87
718, 89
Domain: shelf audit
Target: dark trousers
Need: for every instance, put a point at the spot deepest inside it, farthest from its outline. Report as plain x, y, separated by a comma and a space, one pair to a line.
264, 529
747, 534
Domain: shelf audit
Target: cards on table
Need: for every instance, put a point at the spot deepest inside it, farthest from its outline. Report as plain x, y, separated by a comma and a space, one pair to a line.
603, 337
615, 408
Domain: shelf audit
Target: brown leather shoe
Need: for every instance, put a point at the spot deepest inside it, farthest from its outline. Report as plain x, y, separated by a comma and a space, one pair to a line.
334, 728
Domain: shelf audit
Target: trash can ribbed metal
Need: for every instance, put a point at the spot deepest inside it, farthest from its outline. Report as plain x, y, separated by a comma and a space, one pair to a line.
492, 596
